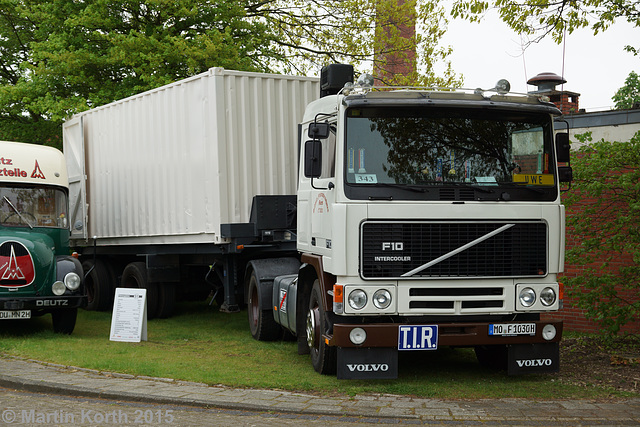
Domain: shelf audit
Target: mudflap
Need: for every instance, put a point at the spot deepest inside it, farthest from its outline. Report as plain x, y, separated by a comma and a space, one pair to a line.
533, 358
367, 363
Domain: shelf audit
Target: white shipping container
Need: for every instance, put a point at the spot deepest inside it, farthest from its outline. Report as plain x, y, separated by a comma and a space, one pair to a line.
168, 166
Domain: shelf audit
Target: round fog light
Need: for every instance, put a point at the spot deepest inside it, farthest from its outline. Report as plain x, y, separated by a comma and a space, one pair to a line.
357, 336
357, 299
527, 297
547, 297
72, 281
382, 299
549, 332
58, 288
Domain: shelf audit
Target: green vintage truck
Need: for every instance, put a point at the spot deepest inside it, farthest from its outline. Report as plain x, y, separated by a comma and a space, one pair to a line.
37, 273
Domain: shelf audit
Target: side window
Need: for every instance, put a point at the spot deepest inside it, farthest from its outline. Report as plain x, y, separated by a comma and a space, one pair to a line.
329, 156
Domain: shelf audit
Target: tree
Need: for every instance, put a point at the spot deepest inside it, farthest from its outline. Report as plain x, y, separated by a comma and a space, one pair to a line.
64, 56
605, 222
553, 17
60, 57
628, 96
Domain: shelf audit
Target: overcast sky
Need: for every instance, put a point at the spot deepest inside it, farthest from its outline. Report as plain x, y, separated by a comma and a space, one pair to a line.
594, 66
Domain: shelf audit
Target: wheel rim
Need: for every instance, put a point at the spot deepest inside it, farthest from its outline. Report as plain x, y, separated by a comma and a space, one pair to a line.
253, 307
313, 331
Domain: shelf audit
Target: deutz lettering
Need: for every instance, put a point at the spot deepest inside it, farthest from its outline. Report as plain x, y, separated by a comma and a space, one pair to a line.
534, 362
368, 367
51, 303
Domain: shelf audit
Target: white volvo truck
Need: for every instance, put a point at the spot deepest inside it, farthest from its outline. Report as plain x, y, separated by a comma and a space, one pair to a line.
419, 218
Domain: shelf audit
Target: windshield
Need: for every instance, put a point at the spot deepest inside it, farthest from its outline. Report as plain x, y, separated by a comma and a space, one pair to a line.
33, 207
483, 151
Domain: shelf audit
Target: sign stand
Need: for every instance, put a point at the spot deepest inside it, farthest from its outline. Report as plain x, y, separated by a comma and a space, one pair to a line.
129, 319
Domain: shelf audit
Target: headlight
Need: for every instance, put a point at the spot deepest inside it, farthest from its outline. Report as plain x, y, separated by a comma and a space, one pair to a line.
72, 281
382, 299
547, 297
357, 299
527, 297
58, 288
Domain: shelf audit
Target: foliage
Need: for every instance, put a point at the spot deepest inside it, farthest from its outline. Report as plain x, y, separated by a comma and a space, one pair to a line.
63, 56
366, 33
605, 201
554, 17
628, 95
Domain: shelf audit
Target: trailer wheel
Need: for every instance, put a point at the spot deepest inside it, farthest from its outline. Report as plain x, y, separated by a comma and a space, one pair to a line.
64, 321
492, 356
261, 322
99, 284
166, 300
323, 357
135, 276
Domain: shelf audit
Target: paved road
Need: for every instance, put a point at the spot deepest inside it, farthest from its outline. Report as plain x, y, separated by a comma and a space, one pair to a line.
259, 407
26, 408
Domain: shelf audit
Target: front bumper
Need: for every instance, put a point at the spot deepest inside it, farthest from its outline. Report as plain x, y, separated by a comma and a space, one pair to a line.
449, 334
43, 304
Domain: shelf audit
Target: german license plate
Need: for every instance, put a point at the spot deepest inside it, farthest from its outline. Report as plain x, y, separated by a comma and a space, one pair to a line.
417, 337
511, 329
18, 314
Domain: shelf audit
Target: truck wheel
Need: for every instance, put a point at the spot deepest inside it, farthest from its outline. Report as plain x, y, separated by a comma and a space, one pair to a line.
323, 357
99, 285
166, 300
261, 322
492, 356
64, 321
135, 276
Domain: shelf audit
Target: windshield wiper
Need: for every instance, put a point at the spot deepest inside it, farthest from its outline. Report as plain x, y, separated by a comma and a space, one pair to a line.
17, 212
481, 188
525, 186
415, 189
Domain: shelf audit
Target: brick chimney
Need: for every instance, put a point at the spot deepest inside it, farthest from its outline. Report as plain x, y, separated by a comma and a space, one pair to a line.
391, 62
566, 101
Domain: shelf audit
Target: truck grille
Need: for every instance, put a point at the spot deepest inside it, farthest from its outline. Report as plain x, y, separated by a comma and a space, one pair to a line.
452, 300
392, 249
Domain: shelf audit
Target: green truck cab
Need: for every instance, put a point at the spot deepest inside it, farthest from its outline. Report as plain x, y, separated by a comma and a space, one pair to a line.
37, 273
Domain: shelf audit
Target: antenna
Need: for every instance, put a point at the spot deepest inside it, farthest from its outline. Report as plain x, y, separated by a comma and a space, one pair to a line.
564, 47
524, 62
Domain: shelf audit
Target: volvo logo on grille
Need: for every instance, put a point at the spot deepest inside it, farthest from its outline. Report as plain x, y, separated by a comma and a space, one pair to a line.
392, 246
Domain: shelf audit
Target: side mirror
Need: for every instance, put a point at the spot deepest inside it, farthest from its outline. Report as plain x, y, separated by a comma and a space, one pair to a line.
313, 159
319, 130
563, 147
565, 174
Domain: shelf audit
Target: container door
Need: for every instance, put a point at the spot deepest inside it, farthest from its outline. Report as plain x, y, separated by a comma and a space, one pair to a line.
73, 146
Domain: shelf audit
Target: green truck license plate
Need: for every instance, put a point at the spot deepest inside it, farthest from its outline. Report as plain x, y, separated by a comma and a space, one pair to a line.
18, 314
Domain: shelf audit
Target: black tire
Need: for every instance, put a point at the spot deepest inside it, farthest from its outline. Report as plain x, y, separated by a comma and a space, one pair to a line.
135, 276
64, 321
492, 356
166, 300
100, 285
261, 322
323, 357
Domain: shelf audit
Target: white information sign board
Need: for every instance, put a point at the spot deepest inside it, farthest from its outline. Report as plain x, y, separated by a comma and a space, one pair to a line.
129, 318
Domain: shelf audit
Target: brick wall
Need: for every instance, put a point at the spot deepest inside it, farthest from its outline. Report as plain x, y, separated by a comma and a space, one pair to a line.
574, 318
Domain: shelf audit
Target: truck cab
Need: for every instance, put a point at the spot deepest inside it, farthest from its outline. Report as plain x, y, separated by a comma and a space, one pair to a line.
427, 218
37, 273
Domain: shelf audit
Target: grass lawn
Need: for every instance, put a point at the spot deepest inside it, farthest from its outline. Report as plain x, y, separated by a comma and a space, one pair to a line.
201, 344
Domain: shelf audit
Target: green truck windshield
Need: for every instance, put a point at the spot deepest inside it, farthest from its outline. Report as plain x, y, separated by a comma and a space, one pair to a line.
446, 147
33, 207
